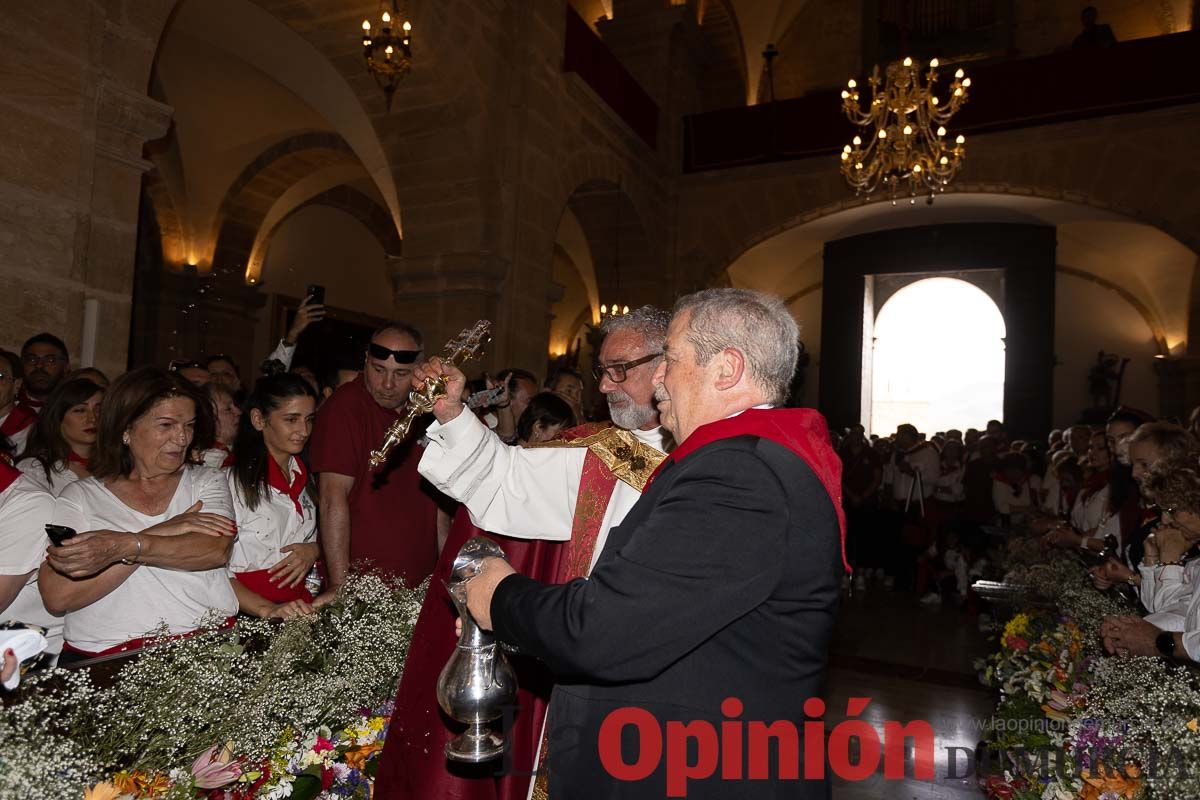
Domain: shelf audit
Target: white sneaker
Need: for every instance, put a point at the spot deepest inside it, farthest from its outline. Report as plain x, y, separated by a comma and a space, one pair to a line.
932, 599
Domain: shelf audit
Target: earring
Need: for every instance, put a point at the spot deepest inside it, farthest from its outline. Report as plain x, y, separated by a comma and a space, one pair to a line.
125, 439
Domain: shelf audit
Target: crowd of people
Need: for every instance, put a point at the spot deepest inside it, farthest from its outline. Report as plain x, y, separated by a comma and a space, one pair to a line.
173, 497
924, 514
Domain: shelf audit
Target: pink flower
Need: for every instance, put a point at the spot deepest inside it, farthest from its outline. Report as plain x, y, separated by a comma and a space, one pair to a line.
214, 769
322, 745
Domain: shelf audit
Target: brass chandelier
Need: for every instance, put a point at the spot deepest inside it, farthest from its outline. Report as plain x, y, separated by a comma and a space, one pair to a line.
388, 51
905, 130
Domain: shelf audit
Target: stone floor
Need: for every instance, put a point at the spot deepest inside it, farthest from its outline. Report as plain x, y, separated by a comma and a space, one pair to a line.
914, 663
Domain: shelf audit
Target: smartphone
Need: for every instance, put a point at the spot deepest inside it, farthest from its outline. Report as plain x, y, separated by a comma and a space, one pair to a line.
315, 293
487, 397
59, 534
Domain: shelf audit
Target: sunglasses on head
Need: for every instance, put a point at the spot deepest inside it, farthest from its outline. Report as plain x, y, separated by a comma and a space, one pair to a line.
382, 353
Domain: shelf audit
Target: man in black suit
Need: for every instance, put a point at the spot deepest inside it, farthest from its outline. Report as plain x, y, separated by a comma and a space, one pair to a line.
713, 601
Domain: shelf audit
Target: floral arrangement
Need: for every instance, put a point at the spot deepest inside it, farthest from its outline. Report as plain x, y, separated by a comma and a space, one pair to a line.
260, 710
1108, 728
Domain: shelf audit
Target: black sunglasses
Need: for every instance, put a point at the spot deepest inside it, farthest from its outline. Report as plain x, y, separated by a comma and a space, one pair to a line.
382, 353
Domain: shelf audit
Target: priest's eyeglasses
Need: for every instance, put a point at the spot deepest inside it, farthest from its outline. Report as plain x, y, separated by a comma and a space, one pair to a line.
618, 372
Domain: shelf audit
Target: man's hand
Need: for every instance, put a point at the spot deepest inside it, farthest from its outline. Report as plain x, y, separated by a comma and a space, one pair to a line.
450, 406
481, 588
1129, 636
308, 313
1110, 573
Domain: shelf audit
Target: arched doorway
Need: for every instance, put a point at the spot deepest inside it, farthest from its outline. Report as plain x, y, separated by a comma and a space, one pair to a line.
938, 360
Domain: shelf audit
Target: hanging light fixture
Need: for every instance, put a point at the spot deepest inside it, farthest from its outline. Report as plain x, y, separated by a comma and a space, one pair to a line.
388, 50
904, 142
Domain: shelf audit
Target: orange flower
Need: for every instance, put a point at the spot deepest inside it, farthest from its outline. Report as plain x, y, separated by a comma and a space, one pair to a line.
357, 757
103, 791
140, 783
1126, 784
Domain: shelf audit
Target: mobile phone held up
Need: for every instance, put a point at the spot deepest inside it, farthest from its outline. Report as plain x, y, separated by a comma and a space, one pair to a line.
315, 294
59, 534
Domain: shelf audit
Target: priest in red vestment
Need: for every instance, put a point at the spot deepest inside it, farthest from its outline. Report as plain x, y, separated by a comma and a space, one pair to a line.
714, 599
550, 507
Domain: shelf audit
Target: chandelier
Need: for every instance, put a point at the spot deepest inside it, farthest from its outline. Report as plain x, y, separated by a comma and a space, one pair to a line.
388, 51
613, 311
905, 131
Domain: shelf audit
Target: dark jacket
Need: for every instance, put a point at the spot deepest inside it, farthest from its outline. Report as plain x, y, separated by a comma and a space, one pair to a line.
723, 581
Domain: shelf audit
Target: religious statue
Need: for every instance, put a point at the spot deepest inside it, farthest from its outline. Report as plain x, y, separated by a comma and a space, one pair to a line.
1104, 380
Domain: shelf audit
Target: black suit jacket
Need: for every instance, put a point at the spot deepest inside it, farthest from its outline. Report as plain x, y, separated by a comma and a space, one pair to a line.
723, 581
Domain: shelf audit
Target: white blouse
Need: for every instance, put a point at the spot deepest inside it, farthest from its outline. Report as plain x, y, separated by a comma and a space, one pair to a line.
25, 508
269, 527
150, 595
60, 475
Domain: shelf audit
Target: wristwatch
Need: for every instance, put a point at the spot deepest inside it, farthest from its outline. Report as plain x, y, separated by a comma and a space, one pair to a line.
1165, 644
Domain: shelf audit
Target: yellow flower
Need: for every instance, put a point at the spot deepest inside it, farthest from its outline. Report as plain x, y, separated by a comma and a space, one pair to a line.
103, 791
1017, 626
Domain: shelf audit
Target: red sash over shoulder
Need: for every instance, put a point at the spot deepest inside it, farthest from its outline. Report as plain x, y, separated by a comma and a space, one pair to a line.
801, 430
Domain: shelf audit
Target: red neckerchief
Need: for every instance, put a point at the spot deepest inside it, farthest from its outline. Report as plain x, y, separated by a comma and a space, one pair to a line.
20, 418
8, 474
1015, 485
801, 430
29, 403
295, 488
229, 459
77, 459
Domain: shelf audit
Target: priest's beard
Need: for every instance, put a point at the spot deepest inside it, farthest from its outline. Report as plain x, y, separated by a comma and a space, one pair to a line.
626, 413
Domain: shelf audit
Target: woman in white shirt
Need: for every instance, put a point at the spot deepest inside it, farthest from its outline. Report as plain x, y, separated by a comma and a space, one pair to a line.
154, 531
25, 508
276, 516
61, 443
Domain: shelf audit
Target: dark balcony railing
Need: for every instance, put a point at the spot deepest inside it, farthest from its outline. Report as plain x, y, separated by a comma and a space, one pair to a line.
587, 56
1061, 87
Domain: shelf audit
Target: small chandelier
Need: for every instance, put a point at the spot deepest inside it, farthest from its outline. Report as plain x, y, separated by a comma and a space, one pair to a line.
388, 51
612, 311
905, 129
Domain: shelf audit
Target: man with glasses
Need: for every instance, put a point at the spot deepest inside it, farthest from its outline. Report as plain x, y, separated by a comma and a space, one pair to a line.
16, 421
572, 491
45, 363
388, 516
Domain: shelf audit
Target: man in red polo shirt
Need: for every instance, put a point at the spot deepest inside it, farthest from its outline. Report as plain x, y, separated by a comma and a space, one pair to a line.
389, 515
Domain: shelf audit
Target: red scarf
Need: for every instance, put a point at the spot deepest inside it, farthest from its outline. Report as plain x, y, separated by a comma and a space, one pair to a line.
8, 474
77, 459
28, 403
801, 430
1095, 482
20, 418
229, 459
276, 480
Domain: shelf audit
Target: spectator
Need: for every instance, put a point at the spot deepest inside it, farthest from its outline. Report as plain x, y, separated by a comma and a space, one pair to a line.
1079, 438
45, 363
63, 438
92, 374
226, 413
1120, 426
1094, 34
547, 414
308, 313
971, 441
1106, 507
390, 515
16, 419
1059, 497
1015, 491
274, 501
155, 530
862, 476
568, 384
24, 510
949, 489
193, 372
223, 371
977, 483
1055, 441
520, 387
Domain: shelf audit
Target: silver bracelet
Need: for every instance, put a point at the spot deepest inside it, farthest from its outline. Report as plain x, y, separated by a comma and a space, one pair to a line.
137, 556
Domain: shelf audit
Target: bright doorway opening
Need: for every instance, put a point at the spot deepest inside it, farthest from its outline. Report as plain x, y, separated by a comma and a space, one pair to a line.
938, 359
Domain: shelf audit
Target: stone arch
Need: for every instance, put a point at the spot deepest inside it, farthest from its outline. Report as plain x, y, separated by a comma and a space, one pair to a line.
723, 78
621, 252
242, 27
362, 207
251, 196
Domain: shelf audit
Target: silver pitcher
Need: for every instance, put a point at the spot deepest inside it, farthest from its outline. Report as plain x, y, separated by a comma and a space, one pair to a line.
477, 682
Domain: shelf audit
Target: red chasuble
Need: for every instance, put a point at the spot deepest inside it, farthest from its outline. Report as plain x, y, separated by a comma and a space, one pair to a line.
413, 765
